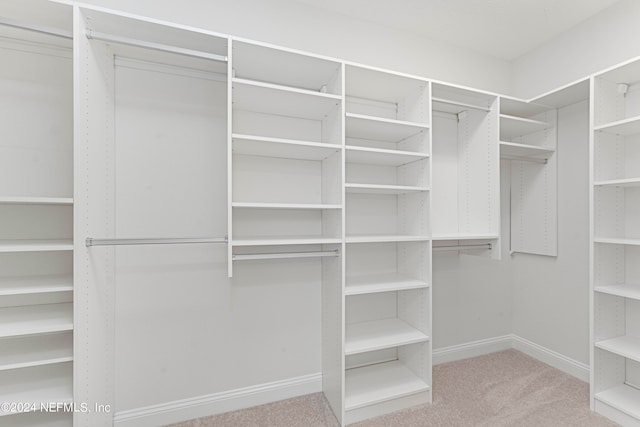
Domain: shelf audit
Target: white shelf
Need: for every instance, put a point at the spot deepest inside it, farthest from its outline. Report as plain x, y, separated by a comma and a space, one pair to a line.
35, 285
380, 129
251, 205
282, 148
617, 241
369, 284
383, 238
35, 245
626, 291
380, 383
39, 350
524, 150
282, 100
378, 156
64, 201
627, 182
43, 419
623, 398
512, 126
454, 107
463, 236
289, 240
382, 189
35, 319
42, 384
623, 127
380, 334
627, 346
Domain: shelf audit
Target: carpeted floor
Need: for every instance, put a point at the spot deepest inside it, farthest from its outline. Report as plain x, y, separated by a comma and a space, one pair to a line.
507, 388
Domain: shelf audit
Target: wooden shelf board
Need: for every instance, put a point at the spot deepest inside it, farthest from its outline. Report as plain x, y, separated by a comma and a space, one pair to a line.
380, 334
386, 282
380, 129
35, 319
627, 182
464, 236
383, 238
623, 127
454, 107
282, 148
623, 397
382, 189
378, 156
288, 240
626, 291
259, 205
617, 241
626, 346
63, 201
35, 285
512, 126
524, 150
380, 383
39, 350
279, 100
35, 245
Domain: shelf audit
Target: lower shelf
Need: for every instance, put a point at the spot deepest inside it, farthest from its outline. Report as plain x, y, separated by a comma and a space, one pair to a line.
42, 419
626, 346
379, 383
623, 398
36, 319
380, 334
37, 350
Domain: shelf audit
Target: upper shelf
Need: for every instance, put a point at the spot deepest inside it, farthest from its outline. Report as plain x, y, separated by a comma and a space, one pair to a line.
261, 205
464, 236
36, 201
512, 126
382, 189
378, 156
627, 182
455, 107
368, 83
35, 245
281, 100
380, 129
617, 241
282, 148
285, 240
508, 149
385, 238
626, 291
630, 126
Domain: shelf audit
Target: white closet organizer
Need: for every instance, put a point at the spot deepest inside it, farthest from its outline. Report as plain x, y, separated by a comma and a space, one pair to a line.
387, 294
616, 244
528, 138
285, 154
466, 174
36, 212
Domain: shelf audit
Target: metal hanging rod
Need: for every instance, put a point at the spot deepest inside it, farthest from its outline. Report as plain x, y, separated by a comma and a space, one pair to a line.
154, 46
463, 247
153, 241
526, 159
284, 255
36, 28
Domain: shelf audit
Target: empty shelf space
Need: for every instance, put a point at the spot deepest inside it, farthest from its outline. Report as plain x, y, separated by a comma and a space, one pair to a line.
380, 129
38, 350
463, 236
627, 346
380, 334
382, 189
35, 285
288, 240
628, 126
35, 319
379, 383
454, 107
623, 397
512, 126
617, 241
250, 205
383, 238
508, 149
62, 201
378, 156
282, 148
281, 100
627, 182
626, 291
369, 284
35, 245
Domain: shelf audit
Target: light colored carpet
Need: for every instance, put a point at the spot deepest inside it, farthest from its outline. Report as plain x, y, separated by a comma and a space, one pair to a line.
507, 388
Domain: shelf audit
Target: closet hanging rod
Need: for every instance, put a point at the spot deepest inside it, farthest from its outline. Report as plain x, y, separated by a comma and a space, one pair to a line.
526, 159
463, 247
155, 46
284, 255
35, 28
153, 241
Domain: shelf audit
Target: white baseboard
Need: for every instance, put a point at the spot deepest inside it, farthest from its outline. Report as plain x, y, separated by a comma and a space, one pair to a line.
472, 349
202, 406
565, 364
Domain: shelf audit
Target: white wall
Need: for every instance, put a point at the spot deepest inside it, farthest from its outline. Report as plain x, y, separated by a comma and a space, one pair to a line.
291, 24
606, 39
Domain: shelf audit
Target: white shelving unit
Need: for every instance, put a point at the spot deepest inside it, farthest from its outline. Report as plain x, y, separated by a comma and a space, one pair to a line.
387, 348
615, 248
36, 212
